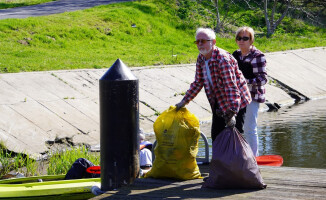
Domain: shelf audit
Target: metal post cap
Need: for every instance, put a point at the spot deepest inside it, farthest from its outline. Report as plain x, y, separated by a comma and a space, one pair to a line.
118, 71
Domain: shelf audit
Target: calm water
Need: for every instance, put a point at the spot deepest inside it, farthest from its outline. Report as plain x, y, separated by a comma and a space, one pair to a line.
297, 133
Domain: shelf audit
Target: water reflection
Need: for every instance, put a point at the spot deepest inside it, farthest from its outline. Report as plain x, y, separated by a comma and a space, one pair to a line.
297, 133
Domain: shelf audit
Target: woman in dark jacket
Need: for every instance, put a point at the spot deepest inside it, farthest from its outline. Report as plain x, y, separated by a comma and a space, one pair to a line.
252, 63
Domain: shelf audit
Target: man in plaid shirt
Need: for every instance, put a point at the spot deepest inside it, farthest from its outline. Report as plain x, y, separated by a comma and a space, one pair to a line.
225, 85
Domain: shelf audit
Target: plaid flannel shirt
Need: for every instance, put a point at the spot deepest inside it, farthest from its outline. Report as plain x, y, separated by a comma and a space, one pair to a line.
229, 89
257, 61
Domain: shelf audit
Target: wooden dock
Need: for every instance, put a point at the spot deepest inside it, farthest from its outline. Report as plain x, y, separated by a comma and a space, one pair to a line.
282, 183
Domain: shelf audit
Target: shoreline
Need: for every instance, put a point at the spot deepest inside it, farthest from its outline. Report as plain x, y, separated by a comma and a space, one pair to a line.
42, 108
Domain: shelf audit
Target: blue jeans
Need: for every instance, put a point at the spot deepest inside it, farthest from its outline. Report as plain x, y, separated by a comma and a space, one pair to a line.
250, 126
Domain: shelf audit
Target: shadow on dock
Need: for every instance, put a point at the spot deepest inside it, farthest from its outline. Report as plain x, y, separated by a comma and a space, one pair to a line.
282, 183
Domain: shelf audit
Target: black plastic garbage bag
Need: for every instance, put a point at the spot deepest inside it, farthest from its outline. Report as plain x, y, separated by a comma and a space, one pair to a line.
233, 165
78, 170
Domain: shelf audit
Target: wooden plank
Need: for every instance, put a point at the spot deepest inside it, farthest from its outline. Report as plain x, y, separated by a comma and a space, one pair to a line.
282, 183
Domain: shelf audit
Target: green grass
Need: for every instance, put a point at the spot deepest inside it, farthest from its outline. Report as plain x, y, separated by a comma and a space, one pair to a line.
96, 37
17, 162
61, 162
4, 4
93, 38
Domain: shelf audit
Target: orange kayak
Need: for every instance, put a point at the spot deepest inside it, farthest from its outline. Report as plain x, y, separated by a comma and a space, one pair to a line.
270, 160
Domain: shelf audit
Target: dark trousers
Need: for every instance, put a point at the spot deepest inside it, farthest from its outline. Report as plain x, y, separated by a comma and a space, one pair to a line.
218, 123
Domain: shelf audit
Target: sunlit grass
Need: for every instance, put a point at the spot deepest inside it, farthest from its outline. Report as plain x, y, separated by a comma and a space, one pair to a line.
61, 162
93, 38
58, 163
20, 163
140, 33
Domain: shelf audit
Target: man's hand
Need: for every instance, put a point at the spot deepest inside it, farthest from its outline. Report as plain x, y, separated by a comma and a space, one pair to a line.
229, 118
230, 122
179, 105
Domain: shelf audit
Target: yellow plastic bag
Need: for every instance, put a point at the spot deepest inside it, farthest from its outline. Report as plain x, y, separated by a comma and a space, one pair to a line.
177, 135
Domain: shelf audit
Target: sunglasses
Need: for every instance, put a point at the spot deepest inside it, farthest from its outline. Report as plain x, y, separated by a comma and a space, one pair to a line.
202, 41
242, 38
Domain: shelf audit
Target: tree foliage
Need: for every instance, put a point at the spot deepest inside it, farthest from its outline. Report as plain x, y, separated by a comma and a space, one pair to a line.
222, 12
311, 10
276, 10
267, 14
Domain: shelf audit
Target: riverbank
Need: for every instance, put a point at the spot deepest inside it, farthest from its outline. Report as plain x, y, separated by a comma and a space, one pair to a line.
41, 111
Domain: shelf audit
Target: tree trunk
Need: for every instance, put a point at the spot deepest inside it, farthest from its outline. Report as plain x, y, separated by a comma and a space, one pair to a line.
271, 24
268, 24
218, 20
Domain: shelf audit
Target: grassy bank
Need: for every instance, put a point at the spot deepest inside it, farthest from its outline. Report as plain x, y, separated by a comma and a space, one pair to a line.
140, 33
16, 162
58, 163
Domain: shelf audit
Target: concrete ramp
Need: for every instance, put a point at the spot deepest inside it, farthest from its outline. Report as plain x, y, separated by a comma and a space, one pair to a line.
40, 110
301, 70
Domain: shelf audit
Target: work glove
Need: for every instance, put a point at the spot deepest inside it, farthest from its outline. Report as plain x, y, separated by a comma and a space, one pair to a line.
219, 113
229, 118
231, 122
179, 105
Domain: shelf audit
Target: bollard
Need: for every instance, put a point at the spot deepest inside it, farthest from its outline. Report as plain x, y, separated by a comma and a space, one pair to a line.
119, 125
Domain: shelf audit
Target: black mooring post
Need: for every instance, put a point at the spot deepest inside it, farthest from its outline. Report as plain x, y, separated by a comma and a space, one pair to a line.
119, 125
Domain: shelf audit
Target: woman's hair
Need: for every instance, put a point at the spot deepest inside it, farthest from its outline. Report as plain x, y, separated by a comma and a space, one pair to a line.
248, 30
209, 32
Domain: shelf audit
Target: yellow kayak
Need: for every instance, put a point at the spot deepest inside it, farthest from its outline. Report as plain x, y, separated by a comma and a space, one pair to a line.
45, 186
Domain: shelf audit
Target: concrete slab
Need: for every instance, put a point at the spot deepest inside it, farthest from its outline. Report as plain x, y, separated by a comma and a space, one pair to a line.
23, 82
87, 107
36, 107
12, 95
49, 122
312, 55
277, 95
152, 100
73, 116
57, 86
186, 74
145, 111
82, 139
85, 82
182, 85
168, 78
146, 124
292, 69
153, 85
19, 134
